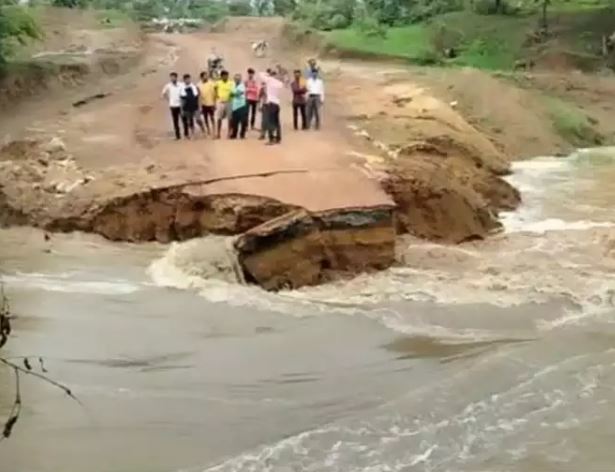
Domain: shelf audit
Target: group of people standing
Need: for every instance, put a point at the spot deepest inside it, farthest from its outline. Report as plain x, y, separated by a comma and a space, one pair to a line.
212, 102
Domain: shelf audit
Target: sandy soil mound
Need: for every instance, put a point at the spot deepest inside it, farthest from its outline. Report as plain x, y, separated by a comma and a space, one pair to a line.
443, 174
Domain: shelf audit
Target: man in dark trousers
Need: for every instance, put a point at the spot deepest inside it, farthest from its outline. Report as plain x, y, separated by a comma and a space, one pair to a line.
299, 90
172, 92
315, 98
252, 96
274, 91
262, 98
190, 107
239, 107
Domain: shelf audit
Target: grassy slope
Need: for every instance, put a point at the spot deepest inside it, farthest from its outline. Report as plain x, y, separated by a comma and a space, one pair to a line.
495, 42
486, 41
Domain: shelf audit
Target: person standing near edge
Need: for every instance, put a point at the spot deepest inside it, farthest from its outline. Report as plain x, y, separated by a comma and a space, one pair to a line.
239, 105
262, 99
190, 107
172, 92
274, 90
252, 96
224, 87
315, 99
299, 90
207, 97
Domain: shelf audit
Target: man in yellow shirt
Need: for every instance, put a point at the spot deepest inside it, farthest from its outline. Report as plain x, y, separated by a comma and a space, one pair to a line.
224, 91
207, 96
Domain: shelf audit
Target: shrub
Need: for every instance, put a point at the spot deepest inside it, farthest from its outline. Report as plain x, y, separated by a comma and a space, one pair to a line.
572, 124
16, 27
442, 37
428, 57
494, 7
425, 9
370, 26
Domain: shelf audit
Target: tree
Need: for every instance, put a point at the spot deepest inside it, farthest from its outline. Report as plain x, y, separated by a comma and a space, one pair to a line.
240, 7
16, 27
544, 20
284, 7
263, 7
69, 3
26, 366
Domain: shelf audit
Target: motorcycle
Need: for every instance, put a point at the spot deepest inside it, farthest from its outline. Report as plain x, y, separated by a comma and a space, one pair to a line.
214, 68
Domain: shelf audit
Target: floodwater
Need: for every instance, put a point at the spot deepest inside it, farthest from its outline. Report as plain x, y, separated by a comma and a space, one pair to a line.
490, 356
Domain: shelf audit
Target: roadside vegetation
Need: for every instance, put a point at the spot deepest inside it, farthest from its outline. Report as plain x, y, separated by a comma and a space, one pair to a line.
492, 35
487, 34
572, 124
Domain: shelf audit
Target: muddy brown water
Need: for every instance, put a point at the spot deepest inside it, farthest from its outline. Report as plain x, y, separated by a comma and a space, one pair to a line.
493, 356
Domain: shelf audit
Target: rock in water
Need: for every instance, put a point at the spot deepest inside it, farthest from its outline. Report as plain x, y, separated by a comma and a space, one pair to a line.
55, 145
299, 248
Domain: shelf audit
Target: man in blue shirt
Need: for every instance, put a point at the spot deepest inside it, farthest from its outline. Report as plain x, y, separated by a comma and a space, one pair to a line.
239, 107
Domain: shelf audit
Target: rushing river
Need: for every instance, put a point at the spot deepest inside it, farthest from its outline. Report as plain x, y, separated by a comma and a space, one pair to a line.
494, 356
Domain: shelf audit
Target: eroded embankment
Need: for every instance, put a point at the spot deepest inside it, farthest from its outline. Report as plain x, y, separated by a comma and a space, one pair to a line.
444, 175
280, 245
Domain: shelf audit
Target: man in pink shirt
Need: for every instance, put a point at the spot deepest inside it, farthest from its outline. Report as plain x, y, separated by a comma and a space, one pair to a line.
252, 96
274, 89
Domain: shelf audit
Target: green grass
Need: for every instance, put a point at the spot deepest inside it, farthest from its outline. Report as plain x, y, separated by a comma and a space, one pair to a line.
487, 42
407, 42
492, 42
571, 123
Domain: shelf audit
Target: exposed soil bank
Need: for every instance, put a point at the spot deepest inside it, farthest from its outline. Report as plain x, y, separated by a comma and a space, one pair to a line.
77, 47
281, 245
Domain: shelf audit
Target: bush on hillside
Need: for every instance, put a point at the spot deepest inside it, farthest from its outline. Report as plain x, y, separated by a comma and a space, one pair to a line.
16, 27
428, 57
69, 3
494, 7
370, 26
240, 7
425, 9
443, 37
325, 15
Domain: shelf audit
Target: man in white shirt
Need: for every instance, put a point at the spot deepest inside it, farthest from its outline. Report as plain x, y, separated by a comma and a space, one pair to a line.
172, 92
315, 98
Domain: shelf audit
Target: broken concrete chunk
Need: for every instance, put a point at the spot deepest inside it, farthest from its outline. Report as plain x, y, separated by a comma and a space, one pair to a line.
299, 248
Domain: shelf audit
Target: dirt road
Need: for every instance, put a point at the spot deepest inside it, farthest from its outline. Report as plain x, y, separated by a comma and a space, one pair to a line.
312, 170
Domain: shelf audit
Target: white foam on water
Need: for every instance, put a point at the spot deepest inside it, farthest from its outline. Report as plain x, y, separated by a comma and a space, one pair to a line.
63, 282
537, 260
514, 224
